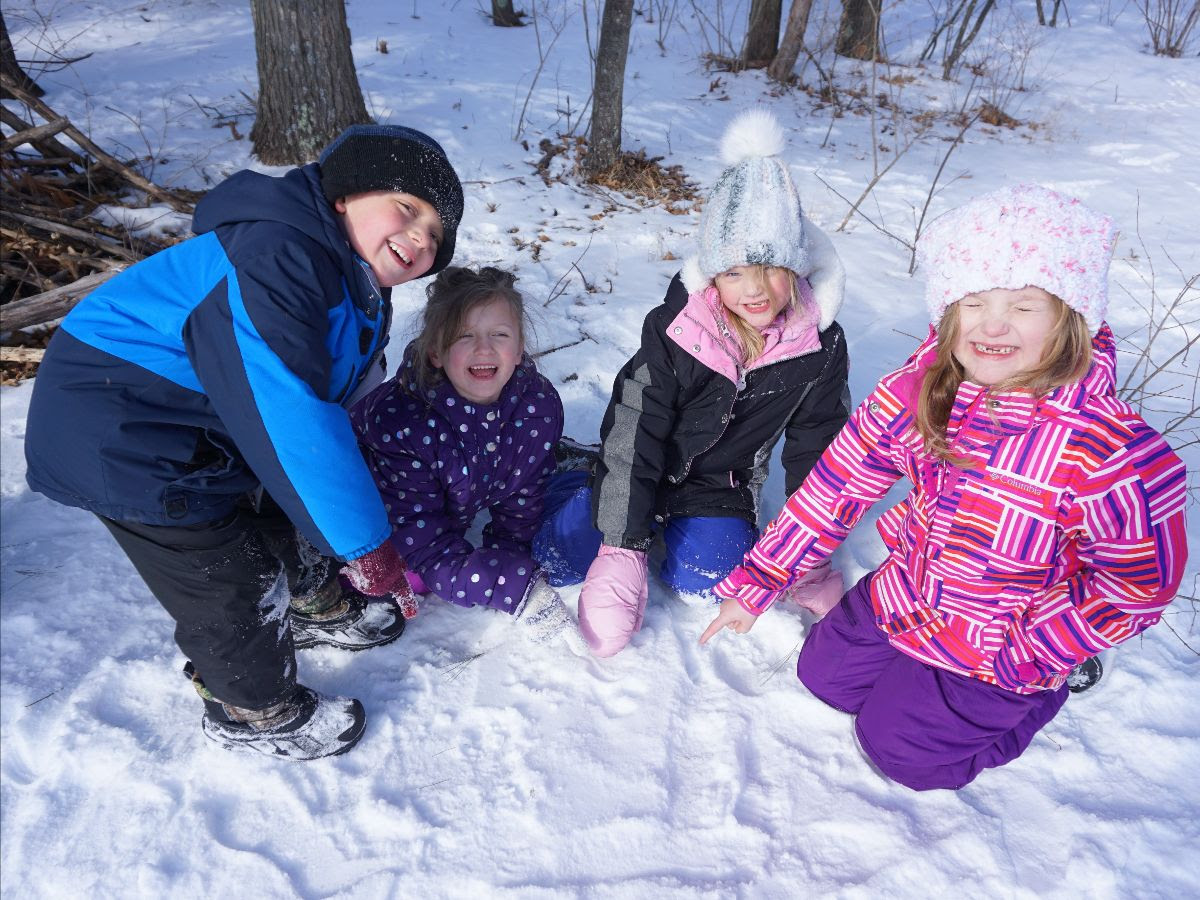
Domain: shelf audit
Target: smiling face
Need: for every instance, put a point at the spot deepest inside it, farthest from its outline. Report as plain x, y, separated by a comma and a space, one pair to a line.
755, 294
485, 353
397, 234
1002, 333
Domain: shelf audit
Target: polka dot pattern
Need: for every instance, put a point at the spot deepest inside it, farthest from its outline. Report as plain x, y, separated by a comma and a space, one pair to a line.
440, 460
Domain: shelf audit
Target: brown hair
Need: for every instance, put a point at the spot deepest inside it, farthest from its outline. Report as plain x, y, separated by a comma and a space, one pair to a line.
1065, 360
749, 338
449, 300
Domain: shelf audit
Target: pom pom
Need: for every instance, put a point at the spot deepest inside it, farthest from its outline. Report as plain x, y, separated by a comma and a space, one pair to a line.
753, 133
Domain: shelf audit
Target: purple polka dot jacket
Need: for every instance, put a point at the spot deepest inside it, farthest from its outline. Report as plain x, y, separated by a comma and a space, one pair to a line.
439, 460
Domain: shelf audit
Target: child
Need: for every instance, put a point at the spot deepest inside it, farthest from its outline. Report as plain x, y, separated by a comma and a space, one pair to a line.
1045, 522
743, 349
197, 402
468, 424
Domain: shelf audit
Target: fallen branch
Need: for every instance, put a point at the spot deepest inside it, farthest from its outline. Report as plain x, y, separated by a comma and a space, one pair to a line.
103, 158
34, 134
99, 241
52, 304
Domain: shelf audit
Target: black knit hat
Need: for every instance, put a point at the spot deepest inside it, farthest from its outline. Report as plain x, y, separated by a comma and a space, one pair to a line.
394, 158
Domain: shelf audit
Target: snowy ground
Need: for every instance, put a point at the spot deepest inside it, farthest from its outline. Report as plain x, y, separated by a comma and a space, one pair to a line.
670, 770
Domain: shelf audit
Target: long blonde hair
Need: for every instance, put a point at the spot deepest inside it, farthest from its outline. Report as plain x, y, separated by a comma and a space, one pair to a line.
1066, 359
749, 338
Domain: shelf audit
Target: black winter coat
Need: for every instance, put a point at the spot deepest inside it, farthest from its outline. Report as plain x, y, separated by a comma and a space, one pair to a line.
680, 438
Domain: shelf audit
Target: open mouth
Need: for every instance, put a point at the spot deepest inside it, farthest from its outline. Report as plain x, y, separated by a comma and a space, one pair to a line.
988, 350
399, 255
756, 308
483, 373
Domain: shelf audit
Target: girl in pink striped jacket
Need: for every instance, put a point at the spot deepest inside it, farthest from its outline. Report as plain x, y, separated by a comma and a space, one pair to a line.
1046, 519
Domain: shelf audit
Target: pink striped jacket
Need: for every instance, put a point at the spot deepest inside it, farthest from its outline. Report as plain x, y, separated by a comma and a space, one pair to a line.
1066, 536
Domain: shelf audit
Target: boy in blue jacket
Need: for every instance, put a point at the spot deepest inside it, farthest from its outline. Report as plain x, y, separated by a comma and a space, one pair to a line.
197, 404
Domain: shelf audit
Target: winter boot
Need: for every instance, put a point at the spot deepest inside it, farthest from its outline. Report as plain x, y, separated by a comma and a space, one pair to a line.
307, 725
356, 622
1085, 675
544, 618
570, 455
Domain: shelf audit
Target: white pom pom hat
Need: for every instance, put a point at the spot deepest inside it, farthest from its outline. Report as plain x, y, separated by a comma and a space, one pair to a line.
1021, 236
753, 216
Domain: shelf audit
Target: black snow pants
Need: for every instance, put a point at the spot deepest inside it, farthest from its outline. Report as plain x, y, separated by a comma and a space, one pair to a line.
228, 585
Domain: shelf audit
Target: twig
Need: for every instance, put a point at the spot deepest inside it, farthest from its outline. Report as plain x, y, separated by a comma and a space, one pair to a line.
40, 699
541, 353
1179, 638
912, 263
559, 288
500, 181
870, 221
779, 665
455, 669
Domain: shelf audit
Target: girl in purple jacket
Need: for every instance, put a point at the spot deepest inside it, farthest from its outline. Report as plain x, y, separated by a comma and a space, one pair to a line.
468, 424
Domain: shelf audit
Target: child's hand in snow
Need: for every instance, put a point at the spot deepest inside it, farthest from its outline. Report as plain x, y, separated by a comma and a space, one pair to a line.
731, 616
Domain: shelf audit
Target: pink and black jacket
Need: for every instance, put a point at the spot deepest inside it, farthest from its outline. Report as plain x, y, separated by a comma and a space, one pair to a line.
1065, 536
689, 430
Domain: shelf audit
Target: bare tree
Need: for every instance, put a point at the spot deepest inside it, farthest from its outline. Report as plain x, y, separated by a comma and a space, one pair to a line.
793, 40
858, 32
1041, 13
504, 15
1170, 23
604, 141
762, 33
957, 42
307, 88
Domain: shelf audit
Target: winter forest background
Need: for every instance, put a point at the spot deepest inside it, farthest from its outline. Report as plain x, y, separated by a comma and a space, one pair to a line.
490, 767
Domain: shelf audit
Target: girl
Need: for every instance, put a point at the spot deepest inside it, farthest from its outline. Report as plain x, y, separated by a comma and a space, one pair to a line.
468, 424
1045, 522
743, 349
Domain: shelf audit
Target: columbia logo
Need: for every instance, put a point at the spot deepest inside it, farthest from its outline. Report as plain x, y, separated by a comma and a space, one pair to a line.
1012, 482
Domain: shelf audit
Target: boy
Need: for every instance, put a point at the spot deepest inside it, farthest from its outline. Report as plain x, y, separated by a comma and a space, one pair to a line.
197, 404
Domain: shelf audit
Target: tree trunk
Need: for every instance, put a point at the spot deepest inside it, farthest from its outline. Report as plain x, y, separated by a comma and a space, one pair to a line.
604, 141
793, 40
504, 16
858, 32
10, 67
307, 90
762, 33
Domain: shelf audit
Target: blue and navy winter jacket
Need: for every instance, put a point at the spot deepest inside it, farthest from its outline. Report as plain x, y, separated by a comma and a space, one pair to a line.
219, 365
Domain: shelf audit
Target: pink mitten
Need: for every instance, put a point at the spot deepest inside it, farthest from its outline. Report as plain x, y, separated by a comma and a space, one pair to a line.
818, 591
613, 599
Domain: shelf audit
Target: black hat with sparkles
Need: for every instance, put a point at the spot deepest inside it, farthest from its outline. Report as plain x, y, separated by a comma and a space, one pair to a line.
367, 158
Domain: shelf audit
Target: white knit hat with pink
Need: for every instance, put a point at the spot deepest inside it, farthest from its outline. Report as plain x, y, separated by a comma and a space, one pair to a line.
1021, 236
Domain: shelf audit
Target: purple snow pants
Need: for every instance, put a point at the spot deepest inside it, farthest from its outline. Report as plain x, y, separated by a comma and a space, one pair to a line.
922, 726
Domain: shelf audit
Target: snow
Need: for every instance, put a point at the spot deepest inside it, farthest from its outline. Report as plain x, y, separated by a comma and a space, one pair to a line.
493, 767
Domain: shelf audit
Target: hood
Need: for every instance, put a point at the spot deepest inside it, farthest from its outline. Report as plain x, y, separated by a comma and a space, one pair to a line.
295, 200
700, 329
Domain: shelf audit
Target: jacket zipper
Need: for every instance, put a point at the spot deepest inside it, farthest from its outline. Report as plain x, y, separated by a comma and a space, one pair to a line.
738, 388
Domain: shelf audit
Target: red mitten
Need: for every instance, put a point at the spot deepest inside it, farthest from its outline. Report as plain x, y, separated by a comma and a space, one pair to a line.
379, 573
